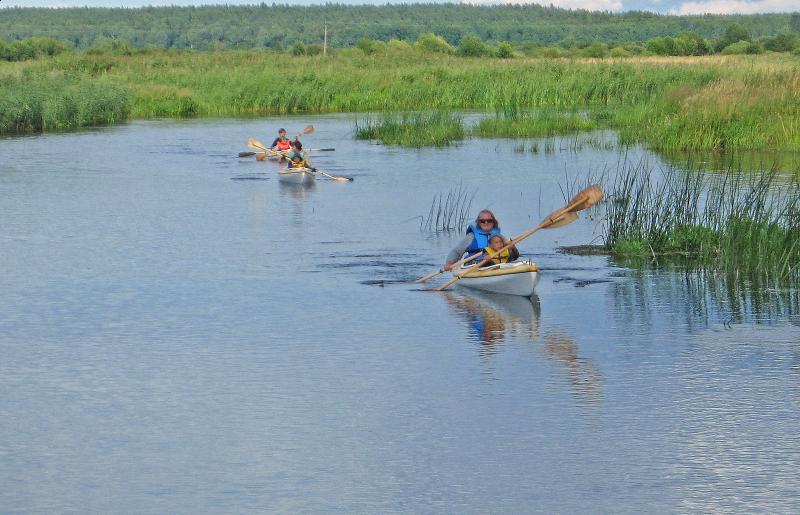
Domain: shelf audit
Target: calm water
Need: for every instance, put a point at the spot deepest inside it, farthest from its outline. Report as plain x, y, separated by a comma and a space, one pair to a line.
178, 338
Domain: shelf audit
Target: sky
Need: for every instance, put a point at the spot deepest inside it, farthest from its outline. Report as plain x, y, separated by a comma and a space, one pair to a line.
660, 6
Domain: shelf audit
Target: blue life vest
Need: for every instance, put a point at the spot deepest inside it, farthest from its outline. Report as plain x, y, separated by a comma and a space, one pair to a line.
480, 240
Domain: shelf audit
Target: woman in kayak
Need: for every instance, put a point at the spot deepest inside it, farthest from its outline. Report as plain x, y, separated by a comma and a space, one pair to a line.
281, 143
496, 243
476, 239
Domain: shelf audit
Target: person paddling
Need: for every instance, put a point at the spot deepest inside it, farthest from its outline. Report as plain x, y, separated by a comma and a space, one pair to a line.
476, 238
496, 252
281, 143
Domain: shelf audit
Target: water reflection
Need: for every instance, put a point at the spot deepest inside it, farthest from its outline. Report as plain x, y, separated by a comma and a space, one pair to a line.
493, 319
702, 298
298, 195
583, 374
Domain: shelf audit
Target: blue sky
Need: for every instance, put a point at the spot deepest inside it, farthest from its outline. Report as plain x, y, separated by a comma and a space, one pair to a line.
662, 6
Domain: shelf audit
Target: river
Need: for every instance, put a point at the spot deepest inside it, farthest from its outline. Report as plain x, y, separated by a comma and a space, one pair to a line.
180, 333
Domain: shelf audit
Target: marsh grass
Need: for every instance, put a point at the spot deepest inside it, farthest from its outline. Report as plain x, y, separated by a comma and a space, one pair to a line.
449, 212
720, 103
437, 129
735, 222
32, 101
532, 125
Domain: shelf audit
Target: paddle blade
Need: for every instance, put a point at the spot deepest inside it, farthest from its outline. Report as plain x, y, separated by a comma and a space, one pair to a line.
254, 143
261, 156
246, 154
586, 198
308, 130
560, 220
323, 149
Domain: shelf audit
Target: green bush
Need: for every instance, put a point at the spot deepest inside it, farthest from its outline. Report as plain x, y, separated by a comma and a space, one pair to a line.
781, 43
595, 50
370, 46
618, 51
472, 46
742, 47
505, 50
298, 49
430, 42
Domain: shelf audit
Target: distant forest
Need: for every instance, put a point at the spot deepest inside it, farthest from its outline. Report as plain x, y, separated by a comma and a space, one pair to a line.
278, 27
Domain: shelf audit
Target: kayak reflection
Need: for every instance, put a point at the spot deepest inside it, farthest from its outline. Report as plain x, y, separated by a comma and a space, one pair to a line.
494, 317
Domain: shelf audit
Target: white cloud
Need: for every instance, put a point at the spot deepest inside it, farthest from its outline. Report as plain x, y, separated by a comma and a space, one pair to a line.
589, 5
736, 7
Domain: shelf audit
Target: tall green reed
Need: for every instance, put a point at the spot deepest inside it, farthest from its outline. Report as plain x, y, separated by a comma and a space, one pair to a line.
735, 222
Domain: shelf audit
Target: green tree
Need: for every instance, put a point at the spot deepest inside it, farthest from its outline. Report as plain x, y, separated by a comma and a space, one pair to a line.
794, 23
505, 50
472, 46
430, 42
691, 43
782, 42
735, 32
661, 46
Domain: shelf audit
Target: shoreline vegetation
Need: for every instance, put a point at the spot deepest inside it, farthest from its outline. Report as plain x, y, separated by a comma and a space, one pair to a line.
740, 223
720, 103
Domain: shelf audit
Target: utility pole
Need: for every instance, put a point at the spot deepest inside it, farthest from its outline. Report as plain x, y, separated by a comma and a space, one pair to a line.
325, 41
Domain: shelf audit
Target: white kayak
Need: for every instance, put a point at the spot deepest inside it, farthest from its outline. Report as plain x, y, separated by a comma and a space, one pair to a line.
296, 176
517, 278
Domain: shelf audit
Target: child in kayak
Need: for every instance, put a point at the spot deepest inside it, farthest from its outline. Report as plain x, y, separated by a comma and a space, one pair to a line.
297, 158
497, 242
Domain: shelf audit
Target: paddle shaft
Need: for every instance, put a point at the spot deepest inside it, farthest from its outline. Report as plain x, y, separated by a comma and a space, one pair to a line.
442, 270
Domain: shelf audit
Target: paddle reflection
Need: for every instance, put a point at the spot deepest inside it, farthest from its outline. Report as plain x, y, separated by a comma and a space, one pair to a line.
582, 373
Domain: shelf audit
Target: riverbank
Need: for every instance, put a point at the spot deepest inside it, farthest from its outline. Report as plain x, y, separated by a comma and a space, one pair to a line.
716, 102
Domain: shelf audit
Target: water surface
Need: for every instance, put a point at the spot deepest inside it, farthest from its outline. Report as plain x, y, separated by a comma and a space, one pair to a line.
176, 341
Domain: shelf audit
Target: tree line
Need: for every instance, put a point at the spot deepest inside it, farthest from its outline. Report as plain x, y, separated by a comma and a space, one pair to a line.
283, 27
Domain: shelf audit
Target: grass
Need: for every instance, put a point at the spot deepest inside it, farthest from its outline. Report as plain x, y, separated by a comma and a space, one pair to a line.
532, 125
736, 222
437, 129
449, 212
719, 102
32, 101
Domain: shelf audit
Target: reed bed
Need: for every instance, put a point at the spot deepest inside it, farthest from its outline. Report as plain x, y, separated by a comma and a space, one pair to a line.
667, 103
437, 129
532, 125
449, 212
34, 102
734, 222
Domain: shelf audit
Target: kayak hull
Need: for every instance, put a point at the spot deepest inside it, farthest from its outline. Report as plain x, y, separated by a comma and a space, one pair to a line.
302, 176
517, 278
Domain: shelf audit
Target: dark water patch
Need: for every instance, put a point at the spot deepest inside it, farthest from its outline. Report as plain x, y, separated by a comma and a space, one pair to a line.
250, 178
585, 250
581, 283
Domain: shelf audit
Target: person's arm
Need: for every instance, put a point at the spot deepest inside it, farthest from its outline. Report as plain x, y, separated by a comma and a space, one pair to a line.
458, 250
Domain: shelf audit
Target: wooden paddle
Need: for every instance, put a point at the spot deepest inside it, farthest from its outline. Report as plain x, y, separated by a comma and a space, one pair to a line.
333, 177
248, 154
442, 270
254, 143
558, 218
